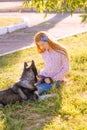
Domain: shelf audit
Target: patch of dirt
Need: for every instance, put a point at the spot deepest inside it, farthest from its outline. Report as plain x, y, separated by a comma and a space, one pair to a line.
37, 121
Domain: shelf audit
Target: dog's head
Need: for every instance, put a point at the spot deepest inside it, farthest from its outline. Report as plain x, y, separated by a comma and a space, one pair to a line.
28, 79
29, 72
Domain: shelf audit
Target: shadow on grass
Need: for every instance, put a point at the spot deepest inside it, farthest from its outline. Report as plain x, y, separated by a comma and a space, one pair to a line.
10, 59
32, 115
45, 111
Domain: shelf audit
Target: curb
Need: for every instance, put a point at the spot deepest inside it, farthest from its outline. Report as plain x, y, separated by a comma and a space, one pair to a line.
12, 28
23, 48
70, 35
3, 30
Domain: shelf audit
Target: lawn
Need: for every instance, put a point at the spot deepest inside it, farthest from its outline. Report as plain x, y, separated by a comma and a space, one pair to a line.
9, 21
66, 111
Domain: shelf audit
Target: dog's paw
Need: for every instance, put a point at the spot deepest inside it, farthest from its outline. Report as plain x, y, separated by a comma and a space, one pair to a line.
36, 95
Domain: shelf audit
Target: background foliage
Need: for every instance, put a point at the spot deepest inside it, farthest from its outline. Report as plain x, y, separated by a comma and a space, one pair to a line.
58, 6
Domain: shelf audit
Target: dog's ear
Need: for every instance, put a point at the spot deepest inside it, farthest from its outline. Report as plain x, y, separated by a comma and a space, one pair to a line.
29, 65
32, 63
25, 65
34, 69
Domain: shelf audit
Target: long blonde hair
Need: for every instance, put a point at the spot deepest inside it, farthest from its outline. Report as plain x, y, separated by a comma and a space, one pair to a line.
51, 42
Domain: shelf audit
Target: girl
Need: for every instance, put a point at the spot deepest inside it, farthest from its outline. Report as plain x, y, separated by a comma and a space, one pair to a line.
55, 59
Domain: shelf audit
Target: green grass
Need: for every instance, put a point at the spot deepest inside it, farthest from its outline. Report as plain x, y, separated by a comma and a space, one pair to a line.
66, 111
9, 21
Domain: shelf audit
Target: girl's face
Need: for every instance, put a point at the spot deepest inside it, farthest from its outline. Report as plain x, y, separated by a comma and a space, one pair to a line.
43, 45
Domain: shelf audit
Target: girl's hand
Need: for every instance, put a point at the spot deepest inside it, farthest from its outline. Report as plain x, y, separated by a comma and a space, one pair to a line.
39, 78
47, 80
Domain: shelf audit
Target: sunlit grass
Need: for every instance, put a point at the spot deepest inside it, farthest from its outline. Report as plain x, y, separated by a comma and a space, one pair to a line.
2, 120
66, 111
9, 21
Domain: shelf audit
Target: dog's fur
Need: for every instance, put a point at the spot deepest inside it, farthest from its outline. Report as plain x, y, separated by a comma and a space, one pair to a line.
24, 89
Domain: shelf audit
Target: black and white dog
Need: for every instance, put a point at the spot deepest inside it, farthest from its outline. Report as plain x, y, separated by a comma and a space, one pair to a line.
24, 89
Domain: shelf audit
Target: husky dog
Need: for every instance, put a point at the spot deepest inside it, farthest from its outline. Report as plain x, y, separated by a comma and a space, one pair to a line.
24, 89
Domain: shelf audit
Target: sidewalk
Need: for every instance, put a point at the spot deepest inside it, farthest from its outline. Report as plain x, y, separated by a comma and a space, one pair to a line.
58, 25
13, 6
10, 6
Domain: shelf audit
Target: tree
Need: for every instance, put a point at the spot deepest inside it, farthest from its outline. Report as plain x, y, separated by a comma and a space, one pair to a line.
58, 6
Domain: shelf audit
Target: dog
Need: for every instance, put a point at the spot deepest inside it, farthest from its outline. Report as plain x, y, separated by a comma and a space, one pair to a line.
24, 89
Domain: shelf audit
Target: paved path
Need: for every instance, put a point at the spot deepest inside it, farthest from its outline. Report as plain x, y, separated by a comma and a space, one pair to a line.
10, 5
57, 24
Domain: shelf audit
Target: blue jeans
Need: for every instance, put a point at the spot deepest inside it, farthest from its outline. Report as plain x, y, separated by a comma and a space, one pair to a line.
44, 87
